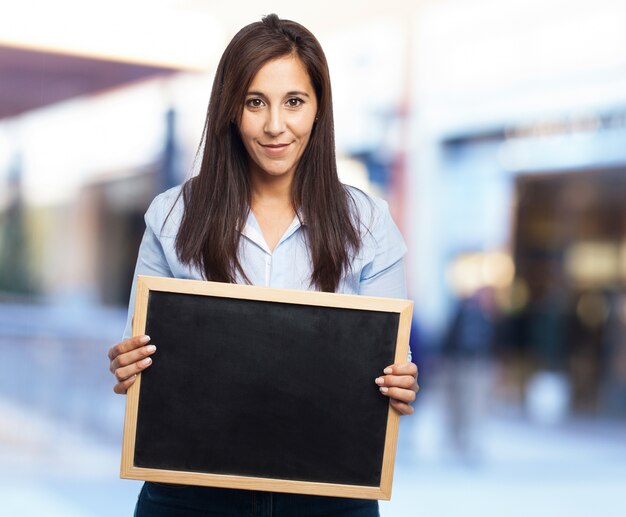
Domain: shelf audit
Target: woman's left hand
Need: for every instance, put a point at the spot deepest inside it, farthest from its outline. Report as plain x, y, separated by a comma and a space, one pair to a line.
399, 384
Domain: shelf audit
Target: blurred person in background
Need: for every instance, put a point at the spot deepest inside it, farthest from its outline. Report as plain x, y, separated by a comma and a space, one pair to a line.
268, 190
468, 346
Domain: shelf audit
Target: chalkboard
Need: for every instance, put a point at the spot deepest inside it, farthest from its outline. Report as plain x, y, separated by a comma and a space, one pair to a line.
264, 389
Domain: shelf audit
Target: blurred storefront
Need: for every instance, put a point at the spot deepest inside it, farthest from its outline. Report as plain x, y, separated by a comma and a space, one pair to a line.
520, 179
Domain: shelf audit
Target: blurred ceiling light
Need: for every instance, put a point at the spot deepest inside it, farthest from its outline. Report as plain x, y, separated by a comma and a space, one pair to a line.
497, 269
470, 272
150, 33
592, 263
463, 275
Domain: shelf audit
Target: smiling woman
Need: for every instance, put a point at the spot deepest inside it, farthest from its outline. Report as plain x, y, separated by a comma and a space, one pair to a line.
267, 208
278, 117
275, 126
219, 199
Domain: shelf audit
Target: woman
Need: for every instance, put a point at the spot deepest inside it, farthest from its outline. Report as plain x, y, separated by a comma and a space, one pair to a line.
267, 208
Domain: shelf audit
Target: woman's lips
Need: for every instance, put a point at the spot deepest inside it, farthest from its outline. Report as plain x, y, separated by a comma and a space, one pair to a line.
274, 148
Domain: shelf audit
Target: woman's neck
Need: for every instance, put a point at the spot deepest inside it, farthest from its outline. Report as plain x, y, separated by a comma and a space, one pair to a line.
272, 206
270, 190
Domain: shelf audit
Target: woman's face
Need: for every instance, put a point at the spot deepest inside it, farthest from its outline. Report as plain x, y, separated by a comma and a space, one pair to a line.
278, 116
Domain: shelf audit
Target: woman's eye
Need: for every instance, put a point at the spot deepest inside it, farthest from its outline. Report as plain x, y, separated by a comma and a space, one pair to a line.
294, 102
254, 103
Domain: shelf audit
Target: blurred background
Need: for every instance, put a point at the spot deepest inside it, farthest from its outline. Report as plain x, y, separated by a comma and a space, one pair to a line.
497, 132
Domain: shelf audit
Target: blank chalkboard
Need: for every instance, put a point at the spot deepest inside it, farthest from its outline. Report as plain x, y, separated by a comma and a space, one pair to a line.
264, 389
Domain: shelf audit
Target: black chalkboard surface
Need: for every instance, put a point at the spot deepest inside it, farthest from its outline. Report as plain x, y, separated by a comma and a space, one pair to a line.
264, 388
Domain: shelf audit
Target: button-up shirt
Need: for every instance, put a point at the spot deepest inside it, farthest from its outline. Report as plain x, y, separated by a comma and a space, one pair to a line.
376, 270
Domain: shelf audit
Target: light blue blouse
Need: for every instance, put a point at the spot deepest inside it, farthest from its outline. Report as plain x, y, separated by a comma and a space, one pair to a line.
377, 270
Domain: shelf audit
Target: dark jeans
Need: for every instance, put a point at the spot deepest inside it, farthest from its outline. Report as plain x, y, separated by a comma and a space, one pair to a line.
163, 500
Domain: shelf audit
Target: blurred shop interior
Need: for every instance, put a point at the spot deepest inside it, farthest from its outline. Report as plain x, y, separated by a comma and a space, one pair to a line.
496, 131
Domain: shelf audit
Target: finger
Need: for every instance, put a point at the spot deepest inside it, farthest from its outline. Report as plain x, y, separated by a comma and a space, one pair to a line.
121, 387
131, 357
403, 408
127, 345
125, 372
400, 381
400, 394
401, 369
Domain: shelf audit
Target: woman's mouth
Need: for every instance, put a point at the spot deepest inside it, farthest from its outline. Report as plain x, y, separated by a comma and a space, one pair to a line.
274, 148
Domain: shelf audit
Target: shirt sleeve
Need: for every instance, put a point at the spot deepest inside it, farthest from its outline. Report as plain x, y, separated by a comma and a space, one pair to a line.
150, 260
384, 274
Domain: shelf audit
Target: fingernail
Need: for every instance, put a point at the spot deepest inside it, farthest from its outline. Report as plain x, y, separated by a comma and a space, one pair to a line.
144, 339
146, 361
380, 381
383, 389
387, 370
151, 348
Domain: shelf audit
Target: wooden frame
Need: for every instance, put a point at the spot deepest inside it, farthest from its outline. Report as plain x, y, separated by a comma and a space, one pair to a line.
146, 285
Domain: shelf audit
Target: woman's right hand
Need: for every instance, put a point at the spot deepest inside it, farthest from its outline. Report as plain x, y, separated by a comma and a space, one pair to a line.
128, 358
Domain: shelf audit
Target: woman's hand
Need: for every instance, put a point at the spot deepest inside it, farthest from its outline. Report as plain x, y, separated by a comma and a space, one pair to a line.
399, 384
128, 358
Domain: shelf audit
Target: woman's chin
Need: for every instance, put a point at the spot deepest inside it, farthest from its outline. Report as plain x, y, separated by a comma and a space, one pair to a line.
275, 172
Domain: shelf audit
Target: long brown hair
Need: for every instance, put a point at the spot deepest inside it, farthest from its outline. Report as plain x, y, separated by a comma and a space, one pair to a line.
217, 200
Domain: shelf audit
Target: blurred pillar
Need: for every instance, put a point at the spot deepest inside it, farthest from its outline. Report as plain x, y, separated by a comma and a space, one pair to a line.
168, 173
15, 274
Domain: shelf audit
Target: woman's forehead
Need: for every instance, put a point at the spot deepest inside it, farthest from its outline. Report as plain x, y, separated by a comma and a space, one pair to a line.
281, 76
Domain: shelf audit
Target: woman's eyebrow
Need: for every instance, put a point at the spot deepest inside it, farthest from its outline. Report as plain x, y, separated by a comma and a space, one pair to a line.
256, 94
294, 92
297, 92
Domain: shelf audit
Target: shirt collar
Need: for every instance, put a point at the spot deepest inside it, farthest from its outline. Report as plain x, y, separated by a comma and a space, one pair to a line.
253, 232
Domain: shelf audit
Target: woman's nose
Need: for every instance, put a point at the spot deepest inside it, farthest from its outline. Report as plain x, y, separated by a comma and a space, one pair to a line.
275, 123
